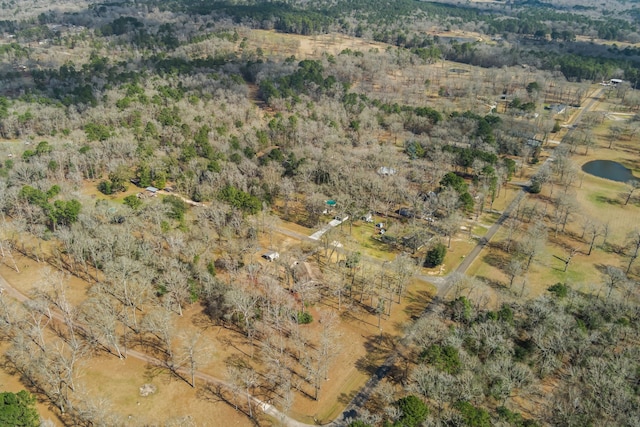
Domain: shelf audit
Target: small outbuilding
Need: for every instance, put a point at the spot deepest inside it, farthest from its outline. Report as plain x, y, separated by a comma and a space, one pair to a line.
557, 108
271, 256
367, 217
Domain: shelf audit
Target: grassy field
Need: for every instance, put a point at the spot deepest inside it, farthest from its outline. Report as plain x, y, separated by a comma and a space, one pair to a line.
597, 198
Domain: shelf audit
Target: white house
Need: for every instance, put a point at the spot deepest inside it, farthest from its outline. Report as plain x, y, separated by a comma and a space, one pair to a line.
367, 217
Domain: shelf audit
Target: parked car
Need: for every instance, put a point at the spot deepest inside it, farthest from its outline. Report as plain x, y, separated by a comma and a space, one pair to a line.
405, 212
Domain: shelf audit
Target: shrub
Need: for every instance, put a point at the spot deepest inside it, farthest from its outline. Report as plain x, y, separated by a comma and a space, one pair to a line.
435, 255
132, 201
304, 318
444, 358
178, 207
240, 199
560, 290
105, 187
473, 417
535, 187
514, 418
18, 409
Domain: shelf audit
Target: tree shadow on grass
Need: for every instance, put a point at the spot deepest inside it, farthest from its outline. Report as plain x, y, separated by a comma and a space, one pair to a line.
346, 398
602, 268
496, 259
417, 302
216, 393
607, 200
493, 283
352, 314
377, 347
153, 371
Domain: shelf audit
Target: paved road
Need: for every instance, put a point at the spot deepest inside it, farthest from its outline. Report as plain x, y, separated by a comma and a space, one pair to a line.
444, 286
466, 263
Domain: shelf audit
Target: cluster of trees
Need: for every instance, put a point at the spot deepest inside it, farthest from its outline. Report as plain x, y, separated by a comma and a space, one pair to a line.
471, 366
18, 409
60, 212
308, 77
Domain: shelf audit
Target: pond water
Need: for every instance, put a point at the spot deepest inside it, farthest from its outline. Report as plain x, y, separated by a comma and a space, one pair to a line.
609, 170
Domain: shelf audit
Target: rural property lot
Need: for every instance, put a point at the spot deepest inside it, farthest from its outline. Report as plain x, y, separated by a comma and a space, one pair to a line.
242, 214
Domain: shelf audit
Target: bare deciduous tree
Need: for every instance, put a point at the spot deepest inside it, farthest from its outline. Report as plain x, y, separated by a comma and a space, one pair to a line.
633, 245
533, 242
632, 186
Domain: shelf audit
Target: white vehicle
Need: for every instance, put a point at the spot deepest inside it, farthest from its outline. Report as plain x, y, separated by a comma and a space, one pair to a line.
271, 256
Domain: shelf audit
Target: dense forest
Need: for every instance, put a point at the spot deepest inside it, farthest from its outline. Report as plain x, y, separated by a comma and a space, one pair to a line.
154, 149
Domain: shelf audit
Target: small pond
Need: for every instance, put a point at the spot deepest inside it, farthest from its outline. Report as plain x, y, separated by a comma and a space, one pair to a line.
609, 170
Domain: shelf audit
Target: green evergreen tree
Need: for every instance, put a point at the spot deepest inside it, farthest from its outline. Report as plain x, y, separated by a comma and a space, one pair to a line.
18, 410
435, 256
414, 411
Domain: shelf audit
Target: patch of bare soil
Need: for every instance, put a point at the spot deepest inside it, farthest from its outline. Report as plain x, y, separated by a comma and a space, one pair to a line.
273, 43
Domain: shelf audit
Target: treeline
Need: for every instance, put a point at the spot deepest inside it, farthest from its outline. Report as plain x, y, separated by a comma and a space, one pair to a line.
575, 67
78, 86
582, 67
322, 16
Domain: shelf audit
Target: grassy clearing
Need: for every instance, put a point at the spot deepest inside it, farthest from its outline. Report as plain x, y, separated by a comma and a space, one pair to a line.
366, 240
597, 198
456, 253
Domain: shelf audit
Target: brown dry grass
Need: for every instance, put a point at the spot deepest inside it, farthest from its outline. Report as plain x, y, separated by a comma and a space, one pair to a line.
120, 380
276, 44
